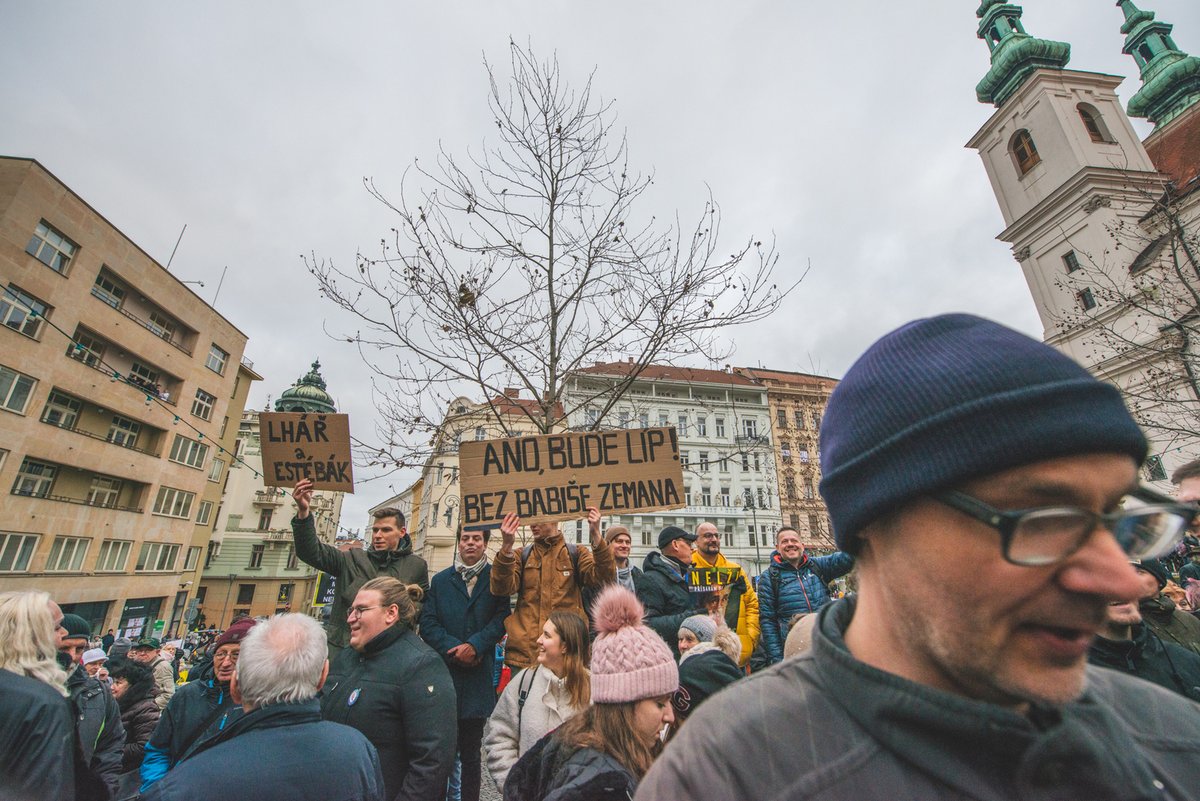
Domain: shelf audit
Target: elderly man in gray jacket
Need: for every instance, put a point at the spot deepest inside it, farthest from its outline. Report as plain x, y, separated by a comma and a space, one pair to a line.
988, 486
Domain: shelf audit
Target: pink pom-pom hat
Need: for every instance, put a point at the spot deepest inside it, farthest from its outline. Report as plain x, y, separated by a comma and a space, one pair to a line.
629, 661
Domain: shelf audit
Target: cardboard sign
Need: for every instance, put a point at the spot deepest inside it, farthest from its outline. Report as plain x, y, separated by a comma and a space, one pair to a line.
299, 445
556, 477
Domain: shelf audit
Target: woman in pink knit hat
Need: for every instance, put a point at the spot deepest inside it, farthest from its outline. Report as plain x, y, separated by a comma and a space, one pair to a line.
603, 752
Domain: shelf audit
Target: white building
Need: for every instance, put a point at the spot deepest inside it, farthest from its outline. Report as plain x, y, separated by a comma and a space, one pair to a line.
724, 427
1083, 202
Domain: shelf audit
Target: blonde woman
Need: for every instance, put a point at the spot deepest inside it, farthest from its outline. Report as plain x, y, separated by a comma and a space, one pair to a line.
37, 728
540, 698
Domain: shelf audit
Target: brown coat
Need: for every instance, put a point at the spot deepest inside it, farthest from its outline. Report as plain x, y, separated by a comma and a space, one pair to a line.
548, 583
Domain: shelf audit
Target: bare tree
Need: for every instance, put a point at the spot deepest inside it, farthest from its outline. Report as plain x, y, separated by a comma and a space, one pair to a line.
518, 264
1139, 314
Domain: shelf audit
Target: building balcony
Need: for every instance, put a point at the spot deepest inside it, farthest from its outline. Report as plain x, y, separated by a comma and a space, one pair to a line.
50, 481
270, 498
762, 440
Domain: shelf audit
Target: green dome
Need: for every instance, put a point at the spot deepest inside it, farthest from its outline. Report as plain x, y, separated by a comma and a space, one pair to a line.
307, 395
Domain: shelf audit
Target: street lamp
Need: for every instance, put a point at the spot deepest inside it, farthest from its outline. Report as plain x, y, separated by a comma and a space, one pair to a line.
749, 503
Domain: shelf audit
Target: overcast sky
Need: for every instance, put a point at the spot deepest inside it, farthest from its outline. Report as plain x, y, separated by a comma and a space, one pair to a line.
837, 128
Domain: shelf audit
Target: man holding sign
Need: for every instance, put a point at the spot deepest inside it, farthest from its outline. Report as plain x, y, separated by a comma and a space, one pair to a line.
390, 555
547, 576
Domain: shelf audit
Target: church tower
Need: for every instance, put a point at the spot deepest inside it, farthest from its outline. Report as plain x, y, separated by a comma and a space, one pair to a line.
1078, 192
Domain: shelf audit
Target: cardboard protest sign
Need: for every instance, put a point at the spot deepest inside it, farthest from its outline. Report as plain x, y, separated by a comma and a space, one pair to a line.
555, 477
300, 445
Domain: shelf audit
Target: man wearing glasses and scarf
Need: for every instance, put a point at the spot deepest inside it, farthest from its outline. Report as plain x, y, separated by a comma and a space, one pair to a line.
988, 487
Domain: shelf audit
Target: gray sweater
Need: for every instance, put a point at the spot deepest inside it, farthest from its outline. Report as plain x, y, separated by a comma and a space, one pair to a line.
825, 726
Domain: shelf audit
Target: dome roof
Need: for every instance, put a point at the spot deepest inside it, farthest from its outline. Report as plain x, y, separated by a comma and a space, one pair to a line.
307, 395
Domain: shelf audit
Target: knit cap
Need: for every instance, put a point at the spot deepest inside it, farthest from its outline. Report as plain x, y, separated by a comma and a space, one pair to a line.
1154, 568
947, 399
93, 655
703, 626
629, 661
612, 532
76, 627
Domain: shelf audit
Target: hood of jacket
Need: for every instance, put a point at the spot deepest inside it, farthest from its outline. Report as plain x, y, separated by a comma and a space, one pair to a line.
783, 564
1160, 606
402, 549
676, 571
383, 639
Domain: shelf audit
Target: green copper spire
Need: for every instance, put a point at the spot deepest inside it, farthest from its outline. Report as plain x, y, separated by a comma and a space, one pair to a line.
1170, 77
1015, 54
307, 395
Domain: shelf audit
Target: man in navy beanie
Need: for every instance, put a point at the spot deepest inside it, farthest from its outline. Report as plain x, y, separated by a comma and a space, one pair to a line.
987, 485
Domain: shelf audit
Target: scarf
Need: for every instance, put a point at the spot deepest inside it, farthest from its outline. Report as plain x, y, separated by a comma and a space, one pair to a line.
467, 574
625, 577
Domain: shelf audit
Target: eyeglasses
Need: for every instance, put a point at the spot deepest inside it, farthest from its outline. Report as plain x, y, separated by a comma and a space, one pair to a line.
228, 656
357, 611
1146, 526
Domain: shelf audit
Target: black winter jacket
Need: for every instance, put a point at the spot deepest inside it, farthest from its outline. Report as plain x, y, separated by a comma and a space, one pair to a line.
352, 569
139, 715
663, 590
280, 752
98, 722
552, 771
1149, 657
196, 711
37, 738
399, 694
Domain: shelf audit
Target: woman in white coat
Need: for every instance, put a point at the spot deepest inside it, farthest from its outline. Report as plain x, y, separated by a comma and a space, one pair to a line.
539, 699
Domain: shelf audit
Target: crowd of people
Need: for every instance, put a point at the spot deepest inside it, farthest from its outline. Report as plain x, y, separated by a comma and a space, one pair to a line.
1024, 621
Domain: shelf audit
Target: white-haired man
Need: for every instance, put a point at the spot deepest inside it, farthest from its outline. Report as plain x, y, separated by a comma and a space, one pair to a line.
281, 748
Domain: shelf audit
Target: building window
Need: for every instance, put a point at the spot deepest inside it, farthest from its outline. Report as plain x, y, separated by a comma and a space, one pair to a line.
724, 463
1024, 151
814, 524
646, 537
124, 432
173, 502
719, 426
143, 376
160, 325
108, 291
803, 452
114, 555
623, 418
1093, 123
644, 420
785, 450
757, 464
205, 513
681, 424
224, 426
215, 470
808, 489
245, 594
729, 536
1085, 299
256, 557
1070, 261
202, 406
816, 421
705, 496
15, 389
685, 459
799, 417
87, 349
34, 479
15, 551
51, 248
480, 433
437, 476
753, 537
687, 496
293, 561
701, 426
188, 451
61, 410
193, 557
156, 557
703, 460
794, 521
592, 417
750, 428
214, 550
1155, 470
216, 360
762, 503
725, 496
22, 312
781, 418
264, 519
67, 554
745, 462
664, 419
105, 491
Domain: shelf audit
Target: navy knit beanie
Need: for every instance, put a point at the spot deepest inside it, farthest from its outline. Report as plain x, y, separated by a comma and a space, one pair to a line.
948, 399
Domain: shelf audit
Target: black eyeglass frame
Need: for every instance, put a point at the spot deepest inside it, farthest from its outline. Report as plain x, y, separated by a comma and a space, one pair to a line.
1006, 522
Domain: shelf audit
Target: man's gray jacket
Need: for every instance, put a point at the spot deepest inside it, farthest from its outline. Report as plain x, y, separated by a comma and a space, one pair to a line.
353, 568
826, 726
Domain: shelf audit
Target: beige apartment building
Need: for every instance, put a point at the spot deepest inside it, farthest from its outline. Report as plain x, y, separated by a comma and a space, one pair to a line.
117, 385
797, 404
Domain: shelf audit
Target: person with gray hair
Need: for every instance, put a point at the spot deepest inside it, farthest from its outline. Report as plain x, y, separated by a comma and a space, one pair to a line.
280, 744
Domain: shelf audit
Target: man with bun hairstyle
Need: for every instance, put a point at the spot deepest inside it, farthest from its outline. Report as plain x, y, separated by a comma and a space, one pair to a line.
958, 449
199, 710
